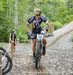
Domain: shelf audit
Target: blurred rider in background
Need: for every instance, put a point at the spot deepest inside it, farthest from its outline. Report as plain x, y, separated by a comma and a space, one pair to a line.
12, 41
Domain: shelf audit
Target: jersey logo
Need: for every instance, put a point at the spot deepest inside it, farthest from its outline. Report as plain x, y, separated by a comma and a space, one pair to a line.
37, 23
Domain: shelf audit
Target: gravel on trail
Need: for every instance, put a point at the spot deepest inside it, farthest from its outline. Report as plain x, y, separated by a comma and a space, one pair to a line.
58, 59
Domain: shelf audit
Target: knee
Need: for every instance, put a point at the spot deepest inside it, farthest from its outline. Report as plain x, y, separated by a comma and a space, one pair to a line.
44, 41
34, 44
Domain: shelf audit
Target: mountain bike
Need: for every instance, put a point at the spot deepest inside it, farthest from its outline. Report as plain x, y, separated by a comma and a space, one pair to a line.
6, 61
39, 50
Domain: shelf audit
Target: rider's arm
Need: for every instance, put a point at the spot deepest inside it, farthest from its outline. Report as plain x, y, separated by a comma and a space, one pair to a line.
44, 19
30, 20
47, 23
27, 27
49, 26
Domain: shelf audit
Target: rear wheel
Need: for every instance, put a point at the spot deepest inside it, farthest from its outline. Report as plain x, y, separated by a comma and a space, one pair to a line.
9, 65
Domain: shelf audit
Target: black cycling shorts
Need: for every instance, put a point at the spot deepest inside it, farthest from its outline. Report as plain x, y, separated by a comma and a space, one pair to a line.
36, 31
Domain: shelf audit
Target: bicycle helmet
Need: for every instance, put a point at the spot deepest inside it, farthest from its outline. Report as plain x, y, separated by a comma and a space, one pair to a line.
37, 11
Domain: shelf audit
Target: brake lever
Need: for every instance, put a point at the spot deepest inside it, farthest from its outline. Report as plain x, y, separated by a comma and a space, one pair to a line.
49, 35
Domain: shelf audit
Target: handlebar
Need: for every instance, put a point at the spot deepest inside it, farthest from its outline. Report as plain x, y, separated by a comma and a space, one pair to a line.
31, 35
49, 35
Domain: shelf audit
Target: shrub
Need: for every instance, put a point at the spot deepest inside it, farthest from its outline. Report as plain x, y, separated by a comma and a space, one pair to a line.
57, 25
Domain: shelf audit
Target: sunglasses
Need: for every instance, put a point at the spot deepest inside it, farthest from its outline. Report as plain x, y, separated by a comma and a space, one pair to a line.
38, 15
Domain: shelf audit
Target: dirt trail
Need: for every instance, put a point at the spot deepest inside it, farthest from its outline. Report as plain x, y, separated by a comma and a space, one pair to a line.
58, 59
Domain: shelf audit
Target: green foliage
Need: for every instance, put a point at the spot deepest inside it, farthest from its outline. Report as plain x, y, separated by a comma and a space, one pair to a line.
6, 24
58, 12
21, 33
1, 6
57, 25
5, 29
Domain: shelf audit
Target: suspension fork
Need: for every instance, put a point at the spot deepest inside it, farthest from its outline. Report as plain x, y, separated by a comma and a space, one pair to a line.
38, 49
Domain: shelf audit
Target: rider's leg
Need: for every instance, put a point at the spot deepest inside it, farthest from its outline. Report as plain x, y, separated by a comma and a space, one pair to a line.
12, 51
14, 47
33, 46
44, 42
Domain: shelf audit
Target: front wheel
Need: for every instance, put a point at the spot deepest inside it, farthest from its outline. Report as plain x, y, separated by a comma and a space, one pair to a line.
37, 63
7, 62
38, 55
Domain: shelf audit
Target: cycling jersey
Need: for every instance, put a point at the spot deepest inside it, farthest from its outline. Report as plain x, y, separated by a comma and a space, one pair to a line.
36, 22
13, 36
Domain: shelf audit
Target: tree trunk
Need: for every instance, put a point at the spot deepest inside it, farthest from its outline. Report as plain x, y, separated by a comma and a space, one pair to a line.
60, 33
16, 14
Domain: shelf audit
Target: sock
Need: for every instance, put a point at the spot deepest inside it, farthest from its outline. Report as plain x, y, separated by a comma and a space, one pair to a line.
44, 50
33, 54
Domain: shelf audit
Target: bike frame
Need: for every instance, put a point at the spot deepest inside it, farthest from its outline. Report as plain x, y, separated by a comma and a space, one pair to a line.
38, 51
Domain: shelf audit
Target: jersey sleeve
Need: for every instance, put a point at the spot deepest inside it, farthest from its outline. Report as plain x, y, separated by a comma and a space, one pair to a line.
30, 20
44, 19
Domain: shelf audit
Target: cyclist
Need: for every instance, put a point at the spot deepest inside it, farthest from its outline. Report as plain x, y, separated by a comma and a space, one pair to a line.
12, 40
36, 21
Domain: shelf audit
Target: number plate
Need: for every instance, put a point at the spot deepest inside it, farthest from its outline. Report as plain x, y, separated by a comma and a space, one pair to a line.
39, 36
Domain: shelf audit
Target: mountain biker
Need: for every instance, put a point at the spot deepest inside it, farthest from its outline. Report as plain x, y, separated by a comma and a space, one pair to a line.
12, 40
36, 21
